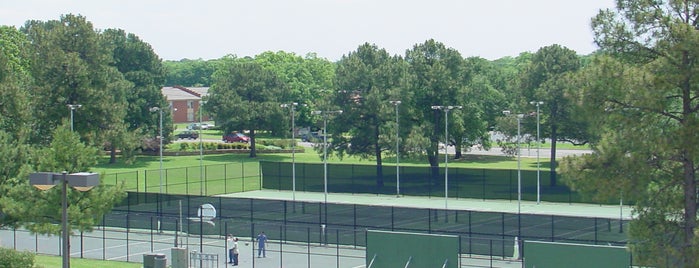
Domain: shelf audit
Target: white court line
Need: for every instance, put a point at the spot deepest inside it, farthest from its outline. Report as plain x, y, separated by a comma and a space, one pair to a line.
145, 252
124, 245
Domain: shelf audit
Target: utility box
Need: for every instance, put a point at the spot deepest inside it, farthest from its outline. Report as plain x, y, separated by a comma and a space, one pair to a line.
154, 260
179, 257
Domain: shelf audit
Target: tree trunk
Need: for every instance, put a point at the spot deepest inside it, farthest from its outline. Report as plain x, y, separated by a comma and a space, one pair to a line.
112, 155
690, 213
253, 152
457, 150
554, 136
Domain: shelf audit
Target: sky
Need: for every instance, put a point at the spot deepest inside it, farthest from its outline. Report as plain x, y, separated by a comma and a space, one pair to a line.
211, 29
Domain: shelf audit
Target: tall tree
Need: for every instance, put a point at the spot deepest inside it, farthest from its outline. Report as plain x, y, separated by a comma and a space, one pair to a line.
644, 97
304, 77
245, 96
139, 64
15, 77
545, 80
436, 74
76, 68
367, 80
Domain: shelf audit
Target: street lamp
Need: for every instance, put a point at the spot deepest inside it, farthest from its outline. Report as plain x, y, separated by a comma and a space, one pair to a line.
325, 115
519, 167
396, 103
446, 110
73, 107
538, 148
82, 181
201, 152
292, 106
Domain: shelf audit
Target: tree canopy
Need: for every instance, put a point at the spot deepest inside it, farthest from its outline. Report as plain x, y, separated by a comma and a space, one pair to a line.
641, 95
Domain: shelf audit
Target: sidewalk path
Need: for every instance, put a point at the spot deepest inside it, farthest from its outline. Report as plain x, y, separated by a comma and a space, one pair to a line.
506, 206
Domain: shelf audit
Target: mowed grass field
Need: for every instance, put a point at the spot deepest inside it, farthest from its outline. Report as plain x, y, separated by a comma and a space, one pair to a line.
236, 172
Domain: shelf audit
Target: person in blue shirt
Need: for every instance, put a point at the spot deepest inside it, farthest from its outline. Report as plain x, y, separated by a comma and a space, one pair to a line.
261, 240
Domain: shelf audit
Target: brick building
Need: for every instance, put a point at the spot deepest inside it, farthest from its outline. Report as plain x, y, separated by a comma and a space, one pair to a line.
186, 102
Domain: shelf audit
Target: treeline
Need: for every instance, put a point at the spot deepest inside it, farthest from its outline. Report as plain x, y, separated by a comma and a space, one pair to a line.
635, 101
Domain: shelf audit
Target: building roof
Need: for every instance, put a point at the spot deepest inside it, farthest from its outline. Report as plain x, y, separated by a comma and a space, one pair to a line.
183, 93
202, 91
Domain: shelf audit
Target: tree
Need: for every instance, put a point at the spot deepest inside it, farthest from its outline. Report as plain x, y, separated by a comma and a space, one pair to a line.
545, 80
190, 73
436, 74
139, 64
644, 98
39, 211
305, 78
15, 118
76, 68
245, 96
367, 79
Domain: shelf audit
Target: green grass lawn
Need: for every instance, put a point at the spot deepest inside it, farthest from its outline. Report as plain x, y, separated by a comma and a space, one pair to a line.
237, 172
310, 156
44, 261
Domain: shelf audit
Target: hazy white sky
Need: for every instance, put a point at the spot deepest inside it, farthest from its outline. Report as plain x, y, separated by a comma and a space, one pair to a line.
210, 29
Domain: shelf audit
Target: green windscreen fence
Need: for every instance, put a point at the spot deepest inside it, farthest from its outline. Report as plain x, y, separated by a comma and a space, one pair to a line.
554, 255
396, 249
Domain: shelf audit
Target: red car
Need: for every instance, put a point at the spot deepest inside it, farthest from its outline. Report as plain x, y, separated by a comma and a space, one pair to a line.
236, 137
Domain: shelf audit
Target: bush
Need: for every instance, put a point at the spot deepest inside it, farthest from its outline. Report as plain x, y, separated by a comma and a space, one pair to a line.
276, 143
14, 259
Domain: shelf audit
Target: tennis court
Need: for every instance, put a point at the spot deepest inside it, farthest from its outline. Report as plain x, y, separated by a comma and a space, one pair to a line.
119, 245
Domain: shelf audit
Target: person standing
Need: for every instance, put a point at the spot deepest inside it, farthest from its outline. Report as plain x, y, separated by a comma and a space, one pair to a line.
235, 251
229, 244
261, 241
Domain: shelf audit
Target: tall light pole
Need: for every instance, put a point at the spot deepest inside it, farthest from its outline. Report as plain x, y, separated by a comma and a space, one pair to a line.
81, 181
325, 115
73, 107
519, 163
201, 152
538, 148
292, 106
446, 110
396, 103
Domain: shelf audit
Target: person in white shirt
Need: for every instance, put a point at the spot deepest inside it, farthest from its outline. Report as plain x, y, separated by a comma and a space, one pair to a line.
235, 251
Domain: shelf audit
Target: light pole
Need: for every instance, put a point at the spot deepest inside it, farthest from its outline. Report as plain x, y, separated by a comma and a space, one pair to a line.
538, 148
81, 181
519, 166
325, 115
446, 110
73, 107
396, 103
292, 106
201, 152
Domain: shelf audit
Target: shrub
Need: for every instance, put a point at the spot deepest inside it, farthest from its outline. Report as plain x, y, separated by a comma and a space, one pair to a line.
277, 143
14, 259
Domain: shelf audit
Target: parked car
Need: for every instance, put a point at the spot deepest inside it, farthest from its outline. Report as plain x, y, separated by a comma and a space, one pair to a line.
203, 126
188, 134
236, 137
311, 137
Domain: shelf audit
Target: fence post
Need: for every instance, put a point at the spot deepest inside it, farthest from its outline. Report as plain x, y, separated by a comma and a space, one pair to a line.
553, 229
308, 245
104, 237
483, 179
